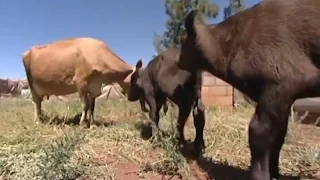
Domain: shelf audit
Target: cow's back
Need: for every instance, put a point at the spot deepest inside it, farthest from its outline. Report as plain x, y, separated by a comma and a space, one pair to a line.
277, 30
53, 67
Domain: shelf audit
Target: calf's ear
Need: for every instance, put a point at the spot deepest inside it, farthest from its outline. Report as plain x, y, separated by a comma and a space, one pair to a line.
139, 64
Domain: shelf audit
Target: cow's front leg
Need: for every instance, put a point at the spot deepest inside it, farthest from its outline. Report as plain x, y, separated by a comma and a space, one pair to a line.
267, 132
199, 122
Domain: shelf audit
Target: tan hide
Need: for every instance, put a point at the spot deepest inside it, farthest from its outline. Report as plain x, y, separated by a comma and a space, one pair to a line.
66, 66
73, 65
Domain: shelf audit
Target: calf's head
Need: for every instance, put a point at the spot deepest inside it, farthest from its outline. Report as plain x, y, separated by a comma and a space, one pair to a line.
135, 88
125, 84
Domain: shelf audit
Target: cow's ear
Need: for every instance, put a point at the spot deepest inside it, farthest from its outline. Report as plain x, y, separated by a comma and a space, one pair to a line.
139, 64
189, 22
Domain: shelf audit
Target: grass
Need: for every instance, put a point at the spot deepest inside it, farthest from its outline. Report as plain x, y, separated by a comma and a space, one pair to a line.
114, 149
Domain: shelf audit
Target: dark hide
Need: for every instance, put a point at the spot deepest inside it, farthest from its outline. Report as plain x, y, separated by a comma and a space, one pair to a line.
271, 53
142, 100
162, 79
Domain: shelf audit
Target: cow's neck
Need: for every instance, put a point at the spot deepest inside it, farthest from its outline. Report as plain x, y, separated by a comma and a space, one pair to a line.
220, 47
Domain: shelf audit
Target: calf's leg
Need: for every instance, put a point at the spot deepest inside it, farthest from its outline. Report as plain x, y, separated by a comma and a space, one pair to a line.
184, 112
154, 111
165, 107
267, 131
143, 105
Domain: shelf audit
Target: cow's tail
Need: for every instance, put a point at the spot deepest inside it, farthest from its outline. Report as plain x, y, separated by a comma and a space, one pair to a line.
26, 63
198, 106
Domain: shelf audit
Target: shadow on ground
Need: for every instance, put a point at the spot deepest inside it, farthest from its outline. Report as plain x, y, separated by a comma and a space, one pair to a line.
213, 169
72, 121
225, 172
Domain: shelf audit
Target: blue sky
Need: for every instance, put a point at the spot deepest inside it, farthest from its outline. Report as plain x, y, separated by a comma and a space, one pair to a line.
126, 26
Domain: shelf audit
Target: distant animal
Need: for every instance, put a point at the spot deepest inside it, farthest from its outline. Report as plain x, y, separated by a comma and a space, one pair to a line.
25, 93
8, 86
162, 79
271, 53
73, 65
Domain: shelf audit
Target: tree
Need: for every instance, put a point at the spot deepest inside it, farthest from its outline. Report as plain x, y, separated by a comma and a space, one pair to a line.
176, 10
233, 7
157, 43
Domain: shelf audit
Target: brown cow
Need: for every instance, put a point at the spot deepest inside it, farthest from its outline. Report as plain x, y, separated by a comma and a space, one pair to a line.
271, 53
73, 65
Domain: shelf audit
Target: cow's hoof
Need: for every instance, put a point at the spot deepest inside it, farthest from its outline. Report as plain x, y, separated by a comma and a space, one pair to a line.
275, 175
89, 125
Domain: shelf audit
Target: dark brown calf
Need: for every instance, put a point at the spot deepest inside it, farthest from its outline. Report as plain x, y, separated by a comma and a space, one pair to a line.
271, 53
162, 79
143, 107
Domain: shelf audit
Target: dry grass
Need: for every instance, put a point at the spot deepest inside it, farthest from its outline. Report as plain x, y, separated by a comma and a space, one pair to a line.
114, 148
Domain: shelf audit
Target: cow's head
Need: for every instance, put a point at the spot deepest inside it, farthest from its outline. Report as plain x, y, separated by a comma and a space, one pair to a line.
135, 89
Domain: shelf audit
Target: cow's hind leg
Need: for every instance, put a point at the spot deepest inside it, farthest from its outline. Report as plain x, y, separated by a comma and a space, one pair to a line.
199, 122
267, 131
91, 111
94, 90
37, 101
85, 107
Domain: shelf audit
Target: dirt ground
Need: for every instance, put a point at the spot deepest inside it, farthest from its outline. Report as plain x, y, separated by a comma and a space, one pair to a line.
130, 171
115, 149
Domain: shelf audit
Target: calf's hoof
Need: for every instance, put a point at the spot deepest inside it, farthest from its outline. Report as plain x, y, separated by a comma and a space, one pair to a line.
148, 130
144, 109
199, 148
